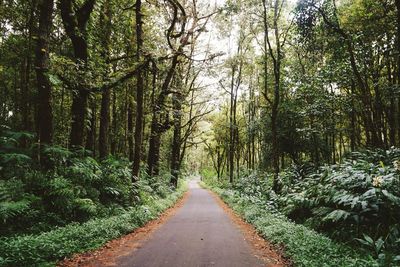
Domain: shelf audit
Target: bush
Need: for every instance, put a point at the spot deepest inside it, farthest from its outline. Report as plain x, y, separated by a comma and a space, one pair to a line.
359, 198
48, 247
302, 245
74, 187
356, 202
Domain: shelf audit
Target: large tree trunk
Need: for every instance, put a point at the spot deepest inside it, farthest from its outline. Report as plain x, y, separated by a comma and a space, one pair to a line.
45, 112
130, 129
157, 126
105, 24
114, 133
153, 156
176, 141
139, 93
75, 23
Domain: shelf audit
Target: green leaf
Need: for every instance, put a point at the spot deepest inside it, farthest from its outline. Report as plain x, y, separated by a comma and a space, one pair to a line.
391, 197
379, 244
337, 215
368, 239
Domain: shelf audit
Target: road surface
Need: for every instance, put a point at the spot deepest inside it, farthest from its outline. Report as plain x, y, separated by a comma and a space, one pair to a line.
200, 234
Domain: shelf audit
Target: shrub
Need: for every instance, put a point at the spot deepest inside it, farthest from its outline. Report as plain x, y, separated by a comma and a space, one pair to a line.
355, 202
358, 198
73, 188
46, 248
302, 245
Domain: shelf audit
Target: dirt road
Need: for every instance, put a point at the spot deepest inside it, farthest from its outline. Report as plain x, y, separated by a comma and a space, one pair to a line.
199, 234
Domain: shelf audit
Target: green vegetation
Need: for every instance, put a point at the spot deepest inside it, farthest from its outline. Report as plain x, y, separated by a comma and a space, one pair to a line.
98, 107
76, 205
47, 247
356, 203
302, 245
76, 188
306, 138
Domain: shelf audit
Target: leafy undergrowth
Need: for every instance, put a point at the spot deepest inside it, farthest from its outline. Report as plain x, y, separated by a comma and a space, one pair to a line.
304, 246
355, 203
46, 248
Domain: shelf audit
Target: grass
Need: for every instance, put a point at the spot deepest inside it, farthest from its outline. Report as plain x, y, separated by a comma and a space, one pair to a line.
304, 246
47, 248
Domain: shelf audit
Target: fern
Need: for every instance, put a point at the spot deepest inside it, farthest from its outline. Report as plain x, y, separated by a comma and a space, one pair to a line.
58, 155
11, 209
86, 205
15, 158
337, 215
61, 187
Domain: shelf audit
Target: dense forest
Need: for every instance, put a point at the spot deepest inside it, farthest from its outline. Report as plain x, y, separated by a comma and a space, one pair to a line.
290, 110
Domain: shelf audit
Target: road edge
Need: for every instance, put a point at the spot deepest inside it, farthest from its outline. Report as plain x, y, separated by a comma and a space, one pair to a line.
270, 254
108, 254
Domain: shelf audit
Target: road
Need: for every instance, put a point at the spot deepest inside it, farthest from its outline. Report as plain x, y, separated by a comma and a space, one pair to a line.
199, 234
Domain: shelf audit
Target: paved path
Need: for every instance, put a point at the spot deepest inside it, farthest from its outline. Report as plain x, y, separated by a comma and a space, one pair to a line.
199, 234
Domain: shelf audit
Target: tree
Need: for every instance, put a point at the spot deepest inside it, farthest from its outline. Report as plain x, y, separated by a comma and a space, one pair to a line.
75, 20
276, 56
45, 111
104, 136
139, 91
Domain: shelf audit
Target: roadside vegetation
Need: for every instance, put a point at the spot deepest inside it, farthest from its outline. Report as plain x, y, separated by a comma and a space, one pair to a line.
77, 205
46, 248
345, 214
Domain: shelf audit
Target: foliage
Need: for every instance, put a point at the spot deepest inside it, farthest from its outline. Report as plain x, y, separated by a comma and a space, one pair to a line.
358, 198
302, 245
356, 202
48, 247
76, 188
208, 176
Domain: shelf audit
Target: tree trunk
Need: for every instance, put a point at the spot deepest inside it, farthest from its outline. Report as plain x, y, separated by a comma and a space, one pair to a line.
45, 111
153, 157
75, 23
157, 126
353, 118
105, 24
275, 102
398, 60
176, 141
78, 112
139, 93
232, 128
114, 124
26, 65
130, 129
